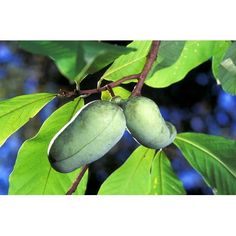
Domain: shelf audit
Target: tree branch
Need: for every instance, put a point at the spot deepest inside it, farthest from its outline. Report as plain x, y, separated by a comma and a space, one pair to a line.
111, 85
77, 181
151, 57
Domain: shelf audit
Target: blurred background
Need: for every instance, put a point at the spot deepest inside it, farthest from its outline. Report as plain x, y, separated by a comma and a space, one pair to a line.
195, 104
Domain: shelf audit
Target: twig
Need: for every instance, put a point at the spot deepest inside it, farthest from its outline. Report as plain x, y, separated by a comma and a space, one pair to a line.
151, 57
68, 94
77, 181
111, 85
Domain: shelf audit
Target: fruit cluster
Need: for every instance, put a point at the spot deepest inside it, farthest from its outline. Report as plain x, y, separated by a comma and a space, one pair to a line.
99, 125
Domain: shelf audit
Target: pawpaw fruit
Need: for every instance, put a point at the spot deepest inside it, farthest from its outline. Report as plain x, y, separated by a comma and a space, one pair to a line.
146, 124
90, 134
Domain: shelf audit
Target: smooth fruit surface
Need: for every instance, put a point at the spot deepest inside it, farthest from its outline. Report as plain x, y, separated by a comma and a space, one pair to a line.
146, 124
91, 133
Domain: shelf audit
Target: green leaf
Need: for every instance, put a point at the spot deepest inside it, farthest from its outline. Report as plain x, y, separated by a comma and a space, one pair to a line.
168, 54
133, 177
219, 53
32, 173
119, 91
193, 54
133, 63
227, 70
76, 59
213, 157
164, 180
129, 64
17, 111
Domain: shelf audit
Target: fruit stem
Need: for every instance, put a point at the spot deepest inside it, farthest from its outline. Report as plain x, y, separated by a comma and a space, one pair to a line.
74, 186
110, 90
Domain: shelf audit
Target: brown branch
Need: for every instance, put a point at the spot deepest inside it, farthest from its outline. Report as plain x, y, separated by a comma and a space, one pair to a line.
151, 57
111, 85
68, 94
77, 181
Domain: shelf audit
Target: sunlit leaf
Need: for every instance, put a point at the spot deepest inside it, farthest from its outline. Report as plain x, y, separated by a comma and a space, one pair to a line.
193, 54
129, 64
213, 157
133, 177
164, 180
133, 63
168, 54
32, 173
17, 111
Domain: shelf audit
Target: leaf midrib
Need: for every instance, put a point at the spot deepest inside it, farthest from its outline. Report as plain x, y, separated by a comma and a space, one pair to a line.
207, 152
18, 108
160, 174
121, 67
135, 169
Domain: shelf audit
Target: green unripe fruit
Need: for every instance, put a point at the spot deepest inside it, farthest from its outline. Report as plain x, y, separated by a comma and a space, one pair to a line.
90, 134
146, 124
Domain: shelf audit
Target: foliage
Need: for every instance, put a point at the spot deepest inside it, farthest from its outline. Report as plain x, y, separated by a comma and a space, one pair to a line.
213, 157
123, 93
33, 173
164, 180
193, 54
133, 62
76, 59
227, 70
133, 177
15, 112
143, 173
146, 171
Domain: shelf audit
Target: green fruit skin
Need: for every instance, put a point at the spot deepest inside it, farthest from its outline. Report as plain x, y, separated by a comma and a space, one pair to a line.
146, 124
91, 133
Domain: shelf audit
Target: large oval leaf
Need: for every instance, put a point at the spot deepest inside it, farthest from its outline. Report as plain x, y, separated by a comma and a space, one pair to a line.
133, 177
214, 157
77, 59
193, 54
129, 64
133, 63
17, 111
164, 180
32, 173
168, 53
